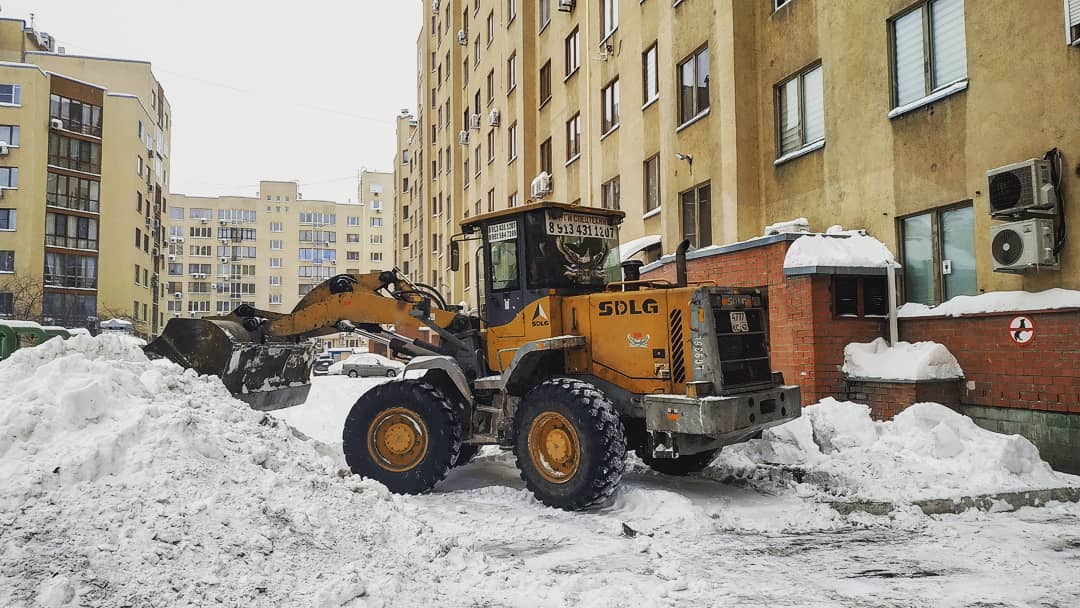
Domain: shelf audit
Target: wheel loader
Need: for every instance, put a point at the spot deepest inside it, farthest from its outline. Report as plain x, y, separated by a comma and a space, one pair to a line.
570, 360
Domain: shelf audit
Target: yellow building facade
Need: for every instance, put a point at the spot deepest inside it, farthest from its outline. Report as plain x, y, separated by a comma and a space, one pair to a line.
84, 233
711, 120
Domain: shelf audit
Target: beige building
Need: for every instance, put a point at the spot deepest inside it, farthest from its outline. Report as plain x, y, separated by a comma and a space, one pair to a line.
710, 120
84, 177
270, 249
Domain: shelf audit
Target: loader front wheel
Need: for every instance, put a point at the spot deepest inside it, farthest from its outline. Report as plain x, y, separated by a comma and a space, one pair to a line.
570, 444
683, 465
405, 435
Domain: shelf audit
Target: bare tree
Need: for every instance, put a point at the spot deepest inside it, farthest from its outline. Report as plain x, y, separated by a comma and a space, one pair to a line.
27, 293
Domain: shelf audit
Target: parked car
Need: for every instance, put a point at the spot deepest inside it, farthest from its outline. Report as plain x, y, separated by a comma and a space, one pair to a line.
322, 365
368, 364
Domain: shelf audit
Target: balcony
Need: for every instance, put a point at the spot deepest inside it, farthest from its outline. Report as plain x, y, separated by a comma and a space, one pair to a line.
70, 242
78, 126
72, 281
74, 203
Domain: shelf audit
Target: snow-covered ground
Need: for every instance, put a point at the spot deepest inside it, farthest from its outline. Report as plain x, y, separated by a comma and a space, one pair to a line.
134, 483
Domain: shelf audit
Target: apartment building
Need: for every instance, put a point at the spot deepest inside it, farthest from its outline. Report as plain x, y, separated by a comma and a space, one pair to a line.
710, 120
84, 169
270, 249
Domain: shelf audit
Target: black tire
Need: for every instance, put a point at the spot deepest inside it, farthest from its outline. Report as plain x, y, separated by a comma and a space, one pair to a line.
683, 465
370, 429
353, 373
595, 434
466, 454
390, 373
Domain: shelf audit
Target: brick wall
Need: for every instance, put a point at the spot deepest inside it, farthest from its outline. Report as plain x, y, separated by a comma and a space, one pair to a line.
1041, 375
887, 399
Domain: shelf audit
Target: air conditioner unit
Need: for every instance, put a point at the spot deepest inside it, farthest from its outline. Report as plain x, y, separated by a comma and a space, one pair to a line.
3, 148
566, 6
180, 239
178, 295
541, 186
1020, 246
223, 222
462, 39
203, 220
146, 220
493, 118
463, 139
202, 275
1021, 190
474, 122
172, 258
224, 258
56, 123
172, 239
333, 262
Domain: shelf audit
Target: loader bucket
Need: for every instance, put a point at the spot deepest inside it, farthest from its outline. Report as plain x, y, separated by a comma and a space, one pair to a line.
267, 376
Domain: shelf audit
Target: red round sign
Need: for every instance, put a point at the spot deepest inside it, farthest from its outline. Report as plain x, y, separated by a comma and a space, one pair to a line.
1022, 330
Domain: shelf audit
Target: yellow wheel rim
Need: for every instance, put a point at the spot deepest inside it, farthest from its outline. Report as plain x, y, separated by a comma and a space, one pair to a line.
554, 447
397, 439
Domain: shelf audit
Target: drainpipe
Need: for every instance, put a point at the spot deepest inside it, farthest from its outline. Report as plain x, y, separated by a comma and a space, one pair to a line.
680, 263
890, 272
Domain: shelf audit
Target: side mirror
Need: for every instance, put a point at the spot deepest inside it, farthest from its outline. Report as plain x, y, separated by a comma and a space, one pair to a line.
455, 255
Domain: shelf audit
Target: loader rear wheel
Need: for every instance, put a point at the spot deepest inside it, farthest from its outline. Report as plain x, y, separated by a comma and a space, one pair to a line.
570, 444
683, 465
406, 435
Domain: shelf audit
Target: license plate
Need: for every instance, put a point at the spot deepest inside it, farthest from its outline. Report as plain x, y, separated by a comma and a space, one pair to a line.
739, 323
586, 226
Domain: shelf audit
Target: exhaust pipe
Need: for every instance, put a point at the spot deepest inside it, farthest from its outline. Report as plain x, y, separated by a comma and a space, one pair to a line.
632, 272
680, 263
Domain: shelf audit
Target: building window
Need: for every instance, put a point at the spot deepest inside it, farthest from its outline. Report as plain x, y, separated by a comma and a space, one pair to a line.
275, 262
476, 158
929, 50
7, 261
800, 109
9, 178
277, 227
511, 10
938, 252
491, 86
10, 134
860, 296
277, 244
491, 145
376, 256
10, 94
490, 27
476, 51
609, 107
545, 156
778, 3
376, 222
651, 172
76, 154
697, 215
650, 85
512, 200
693, 76
609, 193
609, 17
545, 14
376, 239
275, 299
71, 232
511, 142
511, 72
545, 83
491, 200
573, 137
352, 255
571, 52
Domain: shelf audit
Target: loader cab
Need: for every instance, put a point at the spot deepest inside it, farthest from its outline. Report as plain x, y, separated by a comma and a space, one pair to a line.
543, 249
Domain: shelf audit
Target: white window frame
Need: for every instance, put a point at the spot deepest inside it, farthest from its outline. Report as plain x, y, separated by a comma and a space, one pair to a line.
806, 143
932, 91
609, 18
11, 96
1072, 22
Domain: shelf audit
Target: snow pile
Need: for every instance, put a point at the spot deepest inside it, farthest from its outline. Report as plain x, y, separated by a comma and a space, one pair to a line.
995, 301
796, 225
905, 361
856, 251
926, 451
131, 482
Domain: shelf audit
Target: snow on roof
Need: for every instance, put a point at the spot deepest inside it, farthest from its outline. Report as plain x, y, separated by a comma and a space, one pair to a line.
21, 324
855, 251
905, 361
116, 323
626, 250
995, 301
800, 224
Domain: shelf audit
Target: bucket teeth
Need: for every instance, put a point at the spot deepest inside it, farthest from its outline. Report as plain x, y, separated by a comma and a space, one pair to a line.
266, 376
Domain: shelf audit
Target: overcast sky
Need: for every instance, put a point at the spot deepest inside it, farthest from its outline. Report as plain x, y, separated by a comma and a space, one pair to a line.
260, 89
